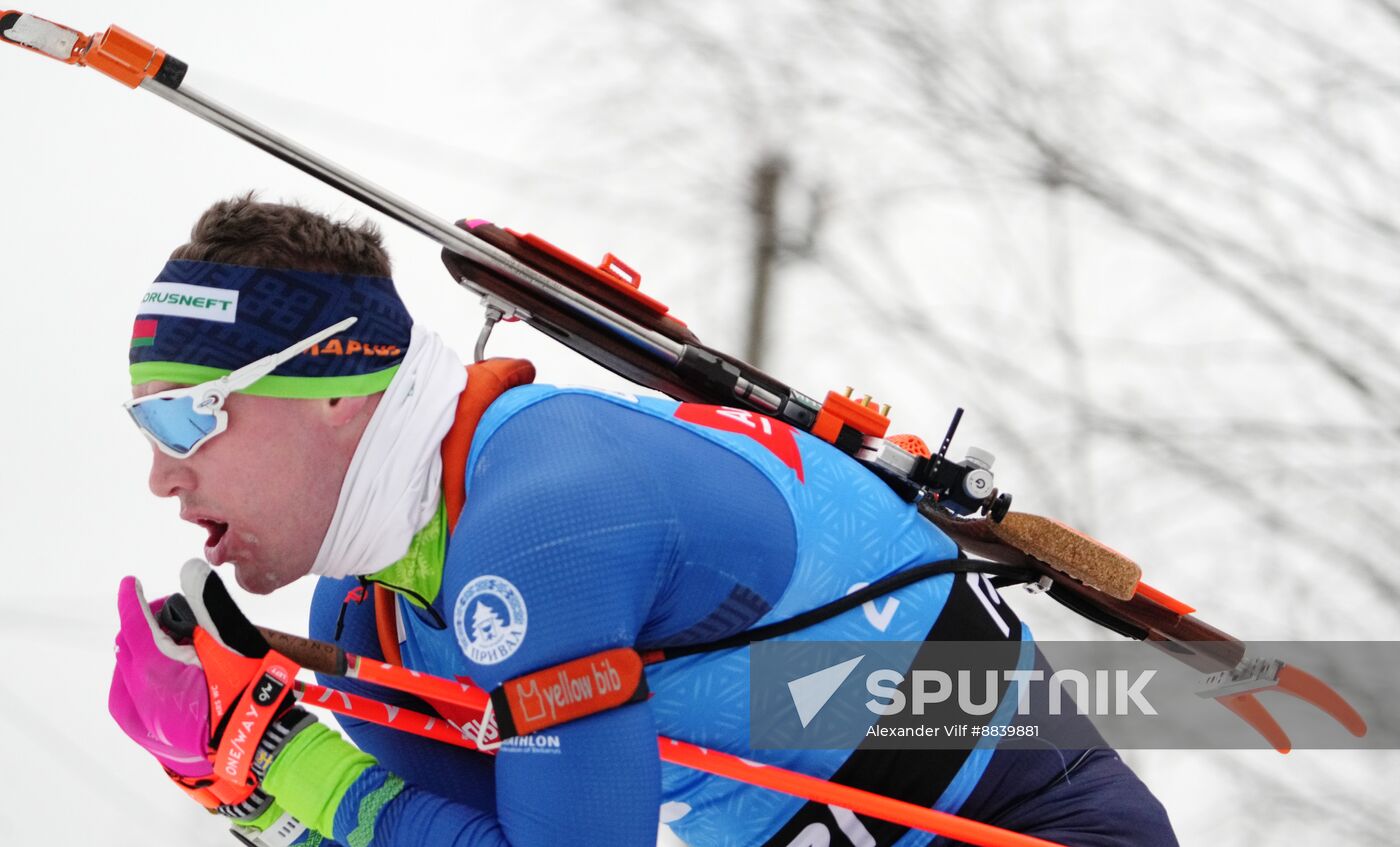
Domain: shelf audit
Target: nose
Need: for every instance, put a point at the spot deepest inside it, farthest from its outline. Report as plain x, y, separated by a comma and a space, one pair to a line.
169, 476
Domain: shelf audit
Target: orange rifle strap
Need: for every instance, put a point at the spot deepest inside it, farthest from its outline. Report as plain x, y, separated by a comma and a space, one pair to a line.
485, 382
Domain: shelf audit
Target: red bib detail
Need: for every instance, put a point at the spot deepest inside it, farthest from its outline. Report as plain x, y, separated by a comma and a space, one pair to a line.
776, 436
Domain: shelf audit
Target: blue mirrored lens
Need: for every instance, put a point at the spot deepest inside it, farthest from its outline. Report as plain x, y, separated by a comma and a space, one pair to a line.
174, 422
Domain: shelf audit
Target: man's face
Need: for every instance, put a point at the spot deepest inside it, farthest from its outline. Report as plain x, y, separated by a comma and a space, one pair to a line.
266, 488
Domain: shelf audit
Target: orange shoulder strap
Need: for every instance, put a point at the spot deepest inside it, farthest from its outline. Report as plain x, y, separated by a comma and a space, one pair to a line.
485, 382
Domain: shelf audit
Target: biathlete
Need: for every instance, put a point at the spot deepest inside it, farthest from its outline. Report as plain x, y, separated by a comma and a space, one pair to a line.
512, 527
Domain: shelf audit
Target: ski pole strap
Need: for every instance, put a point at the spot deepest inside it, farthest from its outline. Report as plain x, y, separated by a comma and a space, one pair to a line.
1011, 574
569, 691
248, 721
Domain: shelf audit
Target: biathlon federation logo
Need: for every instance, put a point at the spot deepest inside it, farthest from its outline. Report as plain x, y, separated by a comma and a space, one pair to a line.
490, 620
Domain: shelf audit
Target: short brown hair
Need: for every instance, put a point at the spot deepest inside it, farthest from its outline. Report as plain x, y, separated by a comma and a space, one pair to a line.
243, 231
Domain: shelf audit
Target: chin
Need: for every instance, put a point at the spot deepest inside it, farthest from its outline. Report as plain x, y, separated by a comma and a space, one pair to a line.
260, 580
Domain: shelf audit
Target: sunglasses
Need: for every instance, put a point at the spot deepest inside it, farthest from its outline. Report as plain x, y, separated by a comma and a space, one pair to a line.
182, 420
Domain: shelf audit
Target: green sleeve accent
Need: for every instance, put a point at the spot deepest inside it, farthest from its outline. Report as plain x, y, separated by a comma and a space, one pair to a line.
363, 833
418, 575
312, 773
304, 387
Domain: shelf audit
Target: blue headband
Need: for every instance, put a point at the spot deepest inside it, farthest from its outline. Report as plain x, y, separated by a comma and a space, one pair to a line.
201, 320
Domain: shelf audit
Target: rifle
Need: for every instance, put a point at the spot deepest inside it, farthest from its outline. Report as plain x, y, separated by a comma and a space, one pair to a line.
600, 312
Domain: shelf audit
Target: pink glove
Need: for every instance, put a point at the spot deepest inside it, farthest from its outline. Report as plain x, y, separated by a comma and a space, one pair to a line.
159, 696
168, 695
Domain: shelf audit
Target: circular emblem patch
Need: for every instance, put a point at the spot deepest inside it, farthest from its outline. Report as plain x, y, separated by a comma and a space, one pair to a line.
489, 619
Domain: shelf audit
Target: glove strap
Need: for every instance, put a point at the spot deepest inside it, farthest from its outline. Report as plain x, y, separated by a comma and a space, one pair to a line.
249, 719
247, 802
251, 809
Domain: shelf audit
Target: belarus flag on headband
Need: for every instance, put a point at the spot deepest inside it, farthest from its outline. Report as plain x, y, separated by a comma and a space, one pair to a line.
143, 333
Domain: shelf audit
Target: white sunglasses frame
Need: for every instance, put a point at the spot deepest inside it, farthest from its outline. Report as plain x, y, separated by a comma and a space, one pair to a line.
209, 396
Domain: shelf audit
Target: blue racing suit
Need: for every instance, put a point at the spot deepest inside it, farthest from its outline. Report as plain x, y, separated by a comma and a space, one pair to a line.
595, 520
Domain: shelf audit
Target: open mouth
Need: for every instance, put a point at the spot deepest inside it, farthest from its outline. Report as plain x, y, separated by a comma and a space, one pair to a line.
213, 545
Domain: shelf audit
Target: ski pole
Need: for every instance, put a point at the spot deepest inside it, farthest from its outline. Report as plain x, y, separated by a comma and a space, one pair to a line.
326, 658
375, 711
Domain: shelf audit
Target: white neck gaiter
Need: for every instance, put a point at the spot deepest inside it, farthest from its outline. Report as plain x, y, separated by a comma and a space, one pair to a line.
392, 487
